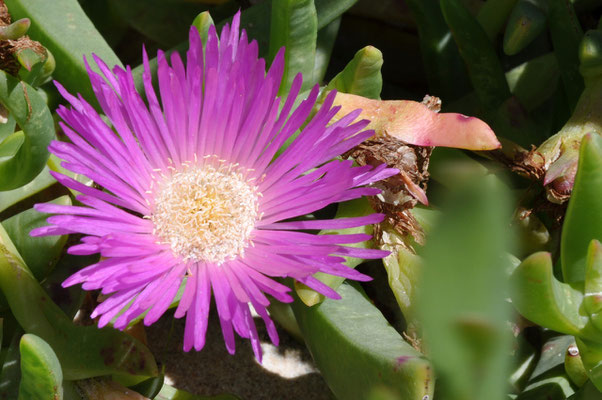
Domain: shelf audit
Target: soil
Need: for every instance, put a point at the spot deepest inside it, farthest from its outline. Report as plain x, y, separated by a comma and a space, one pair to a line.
287, 372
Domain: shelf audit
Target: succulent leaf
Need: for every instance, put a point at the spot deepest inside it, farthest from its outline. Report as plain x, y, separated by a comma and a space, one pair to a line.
493, 15
83, 351
541, 298
15, 30
549, 379
583, 220
29, 110
566, 34
573, 366
591, 355
41, 374
294, 25
361, 76
590, 54
324, 46
526, 22
203, 22
593, 278
335, 332
484, 67
69, 42
39, 253
414, 123
467, 336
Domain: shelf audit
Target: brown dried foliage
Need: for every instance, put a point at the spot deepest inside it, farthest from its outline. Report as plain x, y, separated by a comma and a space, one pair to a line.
10, 48
398, 192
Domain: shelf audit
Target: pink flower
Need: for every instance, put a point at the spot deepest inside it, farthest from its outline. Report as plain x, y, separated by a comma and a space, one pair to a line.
195, 196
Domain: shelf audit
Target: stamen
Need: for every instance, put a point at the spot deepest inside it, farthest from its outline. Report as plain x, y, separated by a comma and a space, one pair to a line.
206, 213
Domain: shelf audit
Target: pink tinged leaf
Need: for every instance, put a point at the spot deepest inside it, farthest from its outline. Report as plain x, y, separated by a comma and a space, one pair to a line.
415, 124
565, 165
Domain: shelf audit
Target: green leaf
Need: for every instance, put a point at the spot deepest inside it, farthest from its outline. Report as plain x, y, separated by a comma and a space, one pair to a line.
102, 388
462, 305
557, 386
69, 299
329, 10
83, 351
573, 365
112, 27
55, 164
39, 253
403, 266
324, 45
590, 54
41, 374
534, 81
29, 110
361, 76
524, 359
587, 392
11, 371
151, 387
445, 70
283, 314
11, 145
592, 300
484, 68
357, 351
294, 26
39, 183
541, 298
450, 167
591, 355
533, 235
203, 22
566, 34
36, 68
583, 220
253, 19
159, 20
63, 27
8, 126
526, 22
493, 15
15, 30
549, 380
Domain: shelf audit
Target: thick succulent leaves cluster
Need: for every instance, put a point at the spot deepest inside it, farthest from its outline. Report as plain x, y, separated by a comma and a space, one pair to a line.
414, 123
559, 155
573, 307
221, 103
565, 308
560, 152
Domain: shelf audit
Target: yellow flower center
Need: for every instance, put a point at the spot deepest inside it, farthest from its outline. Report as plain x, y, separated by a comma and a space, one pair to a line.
205, 213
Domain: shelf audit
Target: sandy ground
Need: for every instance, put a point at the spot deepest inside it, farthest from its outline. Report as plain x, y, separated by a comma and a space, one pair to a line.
287, 372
